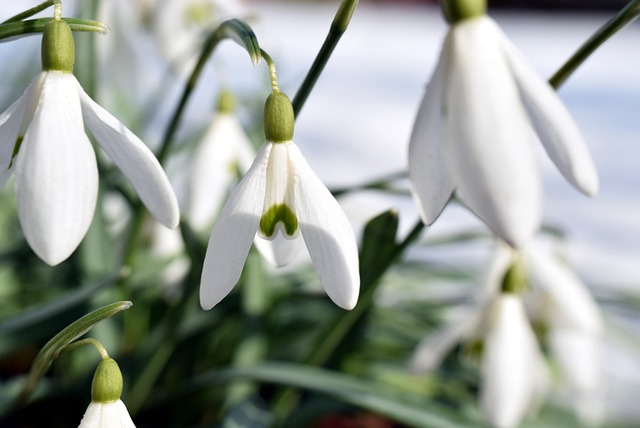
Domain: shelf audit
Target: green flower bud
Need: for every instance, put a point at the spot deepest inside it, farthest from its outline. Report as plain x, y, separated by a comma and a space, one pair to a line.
459, 10
107, 382
58, 49
278, 118
226, 102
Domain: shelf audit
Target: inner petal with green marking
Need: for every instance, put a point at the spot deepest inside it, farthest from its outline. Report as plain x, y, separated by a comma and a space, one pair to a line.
278, 212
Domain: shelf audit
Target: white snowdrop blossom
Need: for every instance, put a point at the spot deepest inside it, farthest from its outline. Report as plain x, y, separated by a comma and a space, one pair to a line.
281, 196
475, 133
107, 415
558, 302
43, 140
224, 154
106, 409
513, 372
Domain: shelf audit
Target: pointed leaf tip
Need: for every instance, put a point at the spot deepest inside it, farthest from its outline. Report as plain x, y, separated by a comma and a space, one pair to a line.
243, 34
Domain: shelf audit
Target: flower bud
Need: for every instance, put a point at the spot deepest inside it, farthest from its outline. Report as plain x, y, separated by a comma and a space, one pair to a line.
58, 49
459, 10
107, 382
278, 118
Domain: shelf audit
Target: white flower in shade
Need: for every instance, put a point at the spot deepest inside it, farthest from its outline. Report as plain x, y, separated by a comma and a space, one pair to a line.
482, 115
106, 410
513, 374
280, 195
42, 139
513, 371
574, 330
224, 154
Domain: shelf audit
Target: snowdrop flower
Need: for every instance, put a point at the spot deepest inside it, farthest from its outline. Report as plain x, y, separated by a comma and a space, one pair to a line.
106, 410
280, 195
575, 328
513, 372
42, 139
224, 154
477, 126
512, 369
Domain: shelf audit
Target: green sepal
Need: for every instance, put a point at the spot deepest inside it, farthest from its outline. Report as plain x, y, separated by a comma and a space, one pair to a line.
515, 279
280, 213
278, 118
107, 382
58, 48
226, 102
459, 10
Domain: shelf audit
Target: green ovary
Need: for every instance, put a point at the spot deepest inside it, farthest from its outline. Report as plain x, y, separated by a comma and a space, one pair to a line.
279, 213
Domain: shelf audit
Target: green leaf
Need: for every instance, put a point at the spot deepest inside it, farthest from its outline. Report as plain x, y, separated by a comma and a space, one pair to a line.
52, 349
405, 408
34, 26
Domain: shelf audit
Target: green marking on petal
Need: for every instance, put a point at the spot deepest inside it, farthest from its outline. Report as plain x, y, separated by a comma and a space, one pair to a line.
16, 148
279, 213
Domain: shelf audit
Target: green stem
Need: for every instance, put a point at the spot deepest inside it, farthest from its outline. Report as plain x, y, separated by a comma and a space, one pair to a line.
35, 26
29, 12
272, 71
235, 29
88, 341
624, 17
339, 330
338, 28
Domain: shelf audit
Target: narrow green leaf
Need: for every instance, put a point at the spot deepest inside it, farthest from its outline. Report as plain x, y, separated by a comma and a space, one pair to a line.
30, 12
52, 349
405, 408
17, 29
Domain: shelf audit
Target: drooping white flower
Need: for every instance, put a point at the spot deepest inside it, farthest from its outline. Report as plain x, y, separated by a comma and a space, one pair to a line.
224, 154
475, 133
106, 409
513, 372
575, 327
42, 139
281, 195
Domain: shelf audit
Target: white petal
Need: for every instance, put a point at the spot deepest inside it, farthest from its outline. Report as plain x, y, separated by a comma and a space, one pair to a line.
435, 347
577, 354
509, 384
572, 304
134, 159
280, 251
431, 183
233, 233
14, 120
489, 142
554, 125
225, 152
56, 173
327, 234
106, 415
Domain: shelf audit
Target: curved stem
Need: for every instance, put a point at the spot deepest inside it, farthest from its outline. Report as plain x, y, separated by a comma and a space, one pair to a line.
338, 28
272, 71
624, 17
88, 341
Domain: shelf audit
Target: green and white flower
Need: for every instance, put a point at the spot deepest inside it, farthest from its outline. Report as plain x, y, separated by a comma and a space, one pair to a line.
483, 113
281, 195
43, 140
106, 409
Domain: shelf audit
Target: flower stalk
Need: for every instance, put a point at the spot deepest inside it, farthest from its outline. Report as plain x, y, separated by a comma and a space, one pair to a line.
629, 13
